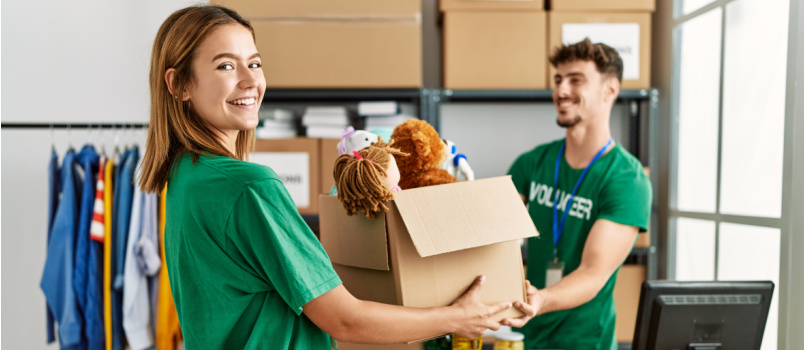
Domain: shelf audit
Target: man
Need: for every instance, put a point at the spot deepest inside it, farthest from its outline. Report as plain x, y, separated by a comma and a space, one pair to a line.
602, 201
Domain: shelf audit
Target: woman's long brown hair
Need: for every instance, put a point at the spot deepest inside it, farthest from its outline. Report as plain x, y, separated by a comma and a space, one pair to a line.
174, 127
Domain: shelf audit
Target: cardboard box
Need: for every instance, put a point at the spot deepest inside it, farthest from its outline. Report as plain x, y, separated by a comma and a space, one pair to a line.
296, 161
431, 245
322, 8
311, 53
626, 300
495, 50
485, 5
629, 33
608, 5
329, 153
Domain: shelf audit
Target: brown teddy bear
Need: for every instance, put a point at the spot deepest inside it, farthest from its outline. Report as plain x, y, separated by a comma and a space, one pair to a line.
420, 140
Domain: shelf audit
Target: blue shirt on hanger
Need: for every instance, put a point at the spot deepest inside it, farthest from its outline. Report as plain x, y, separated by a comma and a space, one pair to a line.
52, 204
57, 277
87, 158
117, 299
89, 255
126, 194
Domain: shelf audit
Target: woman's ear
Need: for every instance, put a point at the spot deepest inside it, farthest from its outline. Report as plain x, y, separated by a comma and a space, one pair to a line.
169, 75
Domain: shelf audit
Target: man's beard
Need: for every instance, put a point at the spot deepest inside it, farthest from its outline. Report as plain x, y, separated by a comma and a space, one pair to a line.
568, 123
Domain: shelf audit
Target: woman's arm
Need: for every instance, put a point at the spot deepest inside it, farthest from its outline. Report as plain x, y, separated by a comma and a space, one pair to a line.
349, 319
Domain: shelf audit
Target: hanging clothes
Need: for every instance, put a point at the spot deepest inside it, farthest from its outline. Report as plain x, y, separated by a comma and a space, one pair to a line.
146, 251
136, 306
94, 316
52, 204
123, 216
168, 330
57, 277
88, 159
108, 200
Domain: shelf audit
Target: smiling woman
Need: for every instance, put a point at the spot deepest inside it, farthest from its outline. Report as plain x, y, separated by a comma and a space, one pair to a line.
203, 58
229, 83
246, 272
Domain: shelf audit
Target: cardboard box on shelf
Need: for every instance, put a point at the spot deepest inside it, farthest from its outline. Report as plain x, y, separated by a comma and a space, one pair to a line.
329, 153
311, 53
296, 161
431, 245
608, 5
626, 300
485, 5
628, 33
495, 50
322, 8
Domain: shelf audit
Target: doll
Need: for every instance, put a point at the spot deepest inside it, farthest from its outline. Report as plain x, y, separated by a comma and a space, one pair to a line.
367, 178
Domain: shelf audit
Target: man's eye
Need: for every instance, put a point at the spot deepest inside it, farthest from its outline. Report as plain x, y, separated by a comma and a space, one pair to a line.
226, 66
255, 65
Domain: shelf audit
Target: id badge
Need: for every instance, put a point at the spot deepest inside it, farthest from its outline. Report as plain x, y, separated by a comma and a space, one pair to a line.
554, 273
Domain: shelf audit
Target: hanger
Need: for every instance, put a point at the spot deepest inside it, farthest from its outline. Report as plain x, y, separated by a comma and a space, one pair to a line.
116, 152
102, 139
52, 144
89, 134
69, 138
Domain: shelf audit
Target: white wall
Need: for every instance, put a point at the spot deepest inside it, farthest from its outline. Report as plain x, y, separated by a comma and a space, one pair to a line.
62, 62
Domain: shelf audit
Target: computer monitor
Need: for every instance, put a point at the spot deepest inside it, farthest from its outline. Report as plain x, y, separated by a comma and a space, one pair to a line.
702, 315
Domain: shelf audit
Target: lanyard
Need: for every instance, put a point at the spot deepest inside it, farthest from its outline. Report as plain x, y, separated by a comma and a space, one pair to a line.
558, 227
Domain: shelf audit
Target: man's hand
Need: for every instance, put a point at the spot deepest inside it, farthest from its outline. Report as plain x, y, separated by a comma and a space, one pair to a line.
530, 309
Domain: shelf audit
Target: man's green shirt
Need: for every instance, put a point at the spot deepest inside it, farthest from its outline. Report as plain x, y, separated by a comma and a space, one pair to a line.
615, 188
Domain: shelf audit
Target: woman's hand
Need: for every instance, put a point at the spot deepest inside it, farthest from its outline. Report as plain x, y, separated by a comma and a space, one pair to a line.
476, 316
530, 309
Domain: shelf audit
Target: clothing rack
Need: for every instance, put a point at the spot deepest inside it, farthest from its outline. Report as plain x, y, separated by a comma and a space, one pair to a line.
72, 125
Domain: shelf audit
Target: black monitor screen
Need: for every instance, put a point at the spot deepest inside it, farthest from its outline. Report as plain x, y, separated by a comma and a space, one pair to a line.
702, 315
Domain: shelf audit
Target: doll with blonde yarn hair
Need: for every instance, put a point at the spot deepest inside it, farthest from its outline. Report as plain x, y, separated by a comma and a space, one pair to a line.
367, 178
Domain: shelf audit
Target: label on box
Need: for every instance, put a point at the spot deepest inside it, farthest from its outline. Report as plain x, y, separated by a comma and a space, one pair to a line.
293, 169
623, 37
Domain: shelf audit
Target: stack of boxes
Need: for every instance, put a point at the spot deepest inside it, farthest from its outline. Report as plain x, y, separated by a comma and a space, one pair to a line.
337, 44
624, 25
494, 44
505, 44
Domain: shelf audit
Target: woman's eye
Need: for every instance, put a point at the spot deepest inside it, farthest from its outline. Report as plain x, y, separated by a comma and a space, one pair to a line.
255, 65
226, 66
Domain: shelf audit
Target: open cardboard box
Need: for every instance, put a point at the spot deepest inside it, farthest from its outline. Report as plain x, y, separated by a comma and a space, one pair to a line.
431, 245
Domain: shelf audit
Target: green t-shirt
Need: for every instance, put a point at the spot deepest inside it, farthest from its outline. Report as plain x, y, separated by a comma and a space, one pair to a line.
241, 260
616, 189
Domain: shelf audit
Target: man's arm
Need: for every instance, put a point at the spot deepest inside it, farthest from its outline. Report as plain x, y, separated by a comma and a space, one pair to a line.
606, 248
349, 319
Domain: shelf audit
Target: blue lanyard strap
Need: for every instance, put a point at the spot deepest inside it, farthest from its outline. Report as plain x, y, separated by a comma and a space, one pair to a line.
558, 227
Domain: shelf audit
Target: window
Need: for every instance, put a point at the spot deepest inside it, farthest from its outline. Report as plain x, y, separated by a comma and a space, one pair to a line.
730, 63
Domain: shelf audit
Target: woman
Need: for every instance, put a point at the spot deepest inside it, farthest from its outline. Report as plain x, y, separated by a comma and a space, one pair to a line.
245, 270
